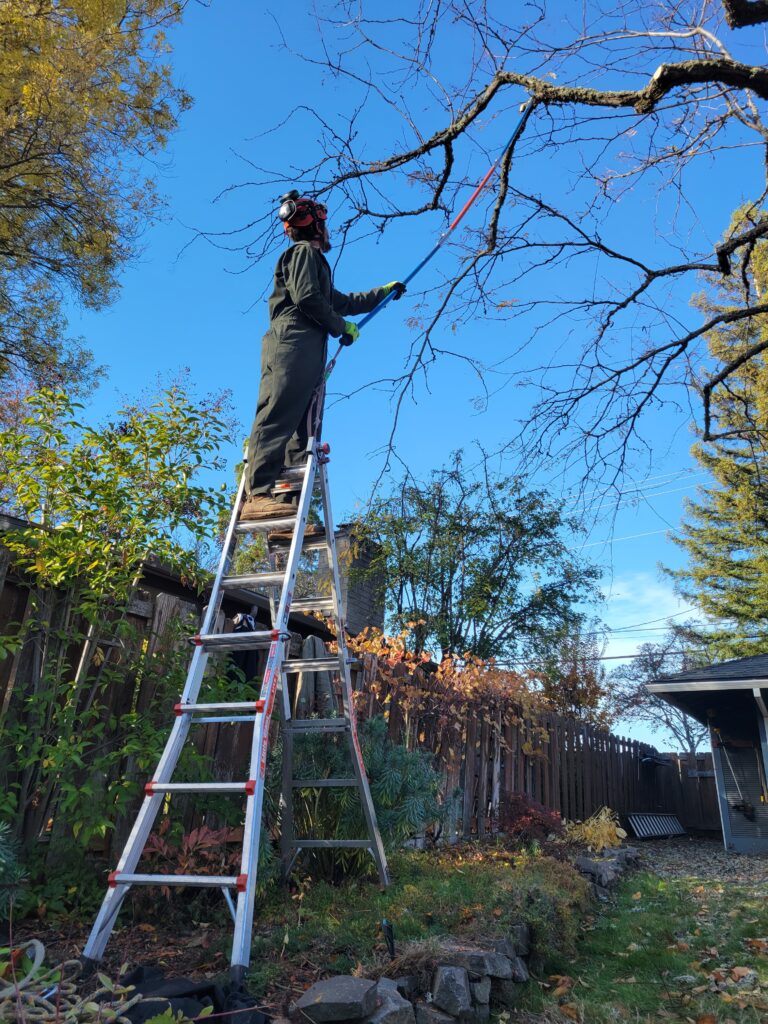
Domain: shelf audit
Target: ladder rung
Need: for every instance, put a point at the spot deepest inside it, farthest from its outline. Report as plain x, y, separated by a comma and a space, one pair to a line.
207, 881
255, 579
152, 788
233, 641
330, 664
322, 783
318, 724
293, 473
312, 604
266, 525
256, 706
329, 844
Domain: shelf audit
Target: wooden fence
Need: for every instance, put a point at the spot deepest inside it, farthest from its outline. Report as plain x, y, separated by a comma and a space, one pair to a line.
565, 765
686, 786
568, 766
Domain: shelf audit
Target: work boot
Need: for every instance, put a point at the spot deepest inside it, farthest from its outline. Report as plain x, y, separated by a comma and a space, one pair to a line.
312, 531
262, 506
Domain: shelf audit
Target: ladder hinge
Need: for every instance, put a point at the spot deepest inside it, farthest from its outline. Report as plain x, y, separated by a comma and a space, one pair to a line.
241, 883
112, 879
149, 788
250, 787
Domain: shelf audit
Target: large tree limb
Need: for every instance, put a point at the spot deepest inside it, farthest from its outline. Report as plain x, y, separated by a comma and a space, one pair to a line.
741, 13
666, 78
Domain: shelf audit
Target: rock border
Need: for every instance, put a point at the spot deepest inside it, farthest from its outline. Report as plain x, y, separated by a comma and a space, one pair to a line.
605, 869
466, 982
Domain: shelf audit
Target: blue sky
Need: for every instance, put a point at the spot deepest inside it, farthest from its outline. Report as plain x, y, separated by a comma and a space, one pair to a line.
199, 307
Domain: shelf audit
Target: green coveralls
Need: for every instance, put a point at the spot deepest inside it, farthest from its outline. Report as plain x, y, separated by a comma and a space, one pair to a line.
304, 309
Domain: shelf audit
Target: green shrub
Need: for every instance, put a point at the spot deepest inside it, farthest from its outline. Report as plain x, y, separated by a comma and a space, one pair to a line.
405, 787
11, 872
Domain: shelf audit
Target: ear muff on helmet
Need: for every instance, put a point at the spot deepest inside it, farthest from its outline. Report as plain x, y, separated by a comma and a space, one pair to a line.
300, 212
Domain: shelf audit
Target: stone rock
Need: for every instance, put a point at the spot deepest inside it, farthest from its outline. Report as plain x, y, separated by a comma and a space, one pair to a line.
519, 971
505, 992
686, 979
626, 855
477, 962
339, 998
427, 1013
520, 936
748, 981
407, 985
477, 1014
602, 872
506, 947
393, 1008
481, 990
450, 990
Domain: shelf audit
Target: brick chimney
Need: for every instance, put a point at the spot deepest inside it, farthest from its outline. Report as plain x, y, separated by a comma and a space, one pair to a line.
362, 601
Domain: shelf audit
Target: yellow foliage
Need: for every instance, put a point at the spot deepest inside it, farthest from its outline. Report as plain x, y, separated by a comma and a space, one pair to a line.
85, 96
599, 832
448, 693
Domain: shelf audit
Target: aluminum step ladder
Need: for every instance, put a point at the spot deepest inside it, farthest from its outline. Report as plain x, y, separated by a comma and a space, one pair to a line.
278, 667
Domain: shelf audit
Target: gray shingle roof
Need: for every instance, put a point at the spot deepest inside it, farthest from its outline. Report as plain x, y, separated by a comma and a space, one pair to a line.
738, 670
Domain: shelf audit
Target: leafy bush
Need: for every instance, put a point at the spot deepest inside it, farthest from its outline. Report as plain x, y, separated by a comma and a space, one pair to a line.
405, 787
204, 851
526, 821
599, 832
11, 872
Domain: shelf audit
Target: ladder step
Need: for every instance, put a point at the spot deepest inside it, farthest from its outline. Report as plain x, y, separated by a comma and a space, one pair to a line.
330, 664
293, 473
153, 787
206, 881
318, 724
266, 525
331, 844
312, 604
254, 579
254, 706
322, 783
233, 641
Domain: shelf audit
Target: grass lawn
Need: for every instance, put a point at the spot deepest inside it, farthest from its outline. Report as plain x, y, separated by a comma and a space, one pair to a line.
473, 892
680, 949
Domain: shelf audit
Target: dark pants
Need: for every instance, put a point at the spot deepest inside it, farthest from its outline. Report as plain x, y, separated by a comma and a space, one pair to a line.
292, 366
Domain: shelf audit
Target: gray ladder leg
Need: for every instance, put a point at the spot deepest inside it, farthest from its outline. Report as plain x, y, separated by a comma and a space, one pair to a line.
377, 846
287, 853
273, 676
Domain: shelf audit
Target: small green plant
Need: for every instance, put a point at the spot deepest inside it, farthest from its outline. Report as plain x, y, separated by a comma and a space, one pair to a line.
178, 1017
600, 832
12, 874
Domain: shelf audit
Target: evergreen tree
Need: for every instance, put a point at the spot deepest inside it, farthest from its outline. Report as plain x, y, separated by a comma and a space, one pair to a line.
725, 531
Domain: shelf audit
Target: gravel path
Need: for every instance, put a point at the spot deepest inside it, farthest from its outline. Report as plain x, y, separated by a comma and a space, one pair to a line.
694, 857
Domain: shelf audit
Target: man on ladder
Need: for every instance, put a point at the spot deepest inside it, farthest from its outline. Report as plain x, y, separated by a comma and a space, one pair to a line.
304, 309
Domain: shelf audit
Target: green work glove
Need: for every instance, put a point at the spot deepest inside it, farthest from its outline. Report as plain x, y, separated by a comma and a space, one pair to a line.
351, 332
394, 286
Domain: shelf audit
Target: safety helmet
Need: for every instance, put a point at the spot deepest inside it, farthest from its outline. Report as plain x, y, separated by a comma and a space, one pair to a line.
297, 211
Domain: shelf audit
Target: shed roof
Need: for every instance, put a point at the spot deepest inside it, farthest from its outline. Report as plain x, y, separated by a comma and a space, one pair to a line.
717, 694
739, 670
